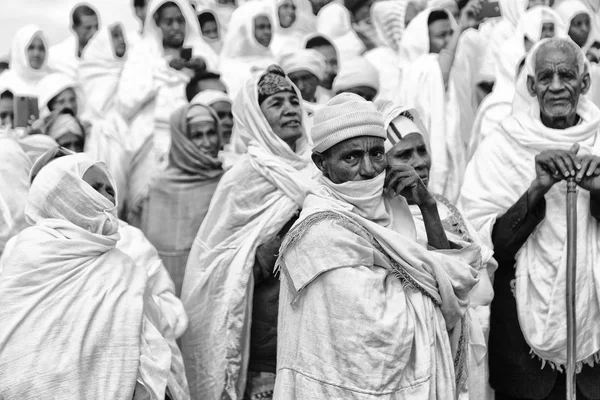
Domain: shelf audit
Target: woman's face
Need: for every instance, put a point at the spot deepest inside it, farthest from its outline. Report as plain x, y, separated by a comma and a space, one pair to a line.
287, 14
580, 29
65, 99
118, 41
72, 142
172, 25
223, 110
210, 29
36, 52
204, 135
412, 150
262, 30
98, 180
284, 113
547, 30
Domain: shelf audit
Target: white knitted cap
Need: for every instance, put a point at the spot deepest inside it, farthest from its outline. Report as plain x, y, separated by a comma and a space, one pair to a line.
358, 72
344, 117
304, 60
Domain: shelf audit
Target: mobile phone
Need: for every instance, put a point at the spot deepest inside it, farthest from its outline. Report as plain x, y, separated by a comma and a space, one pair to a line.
25, 108
489, 9
186, 53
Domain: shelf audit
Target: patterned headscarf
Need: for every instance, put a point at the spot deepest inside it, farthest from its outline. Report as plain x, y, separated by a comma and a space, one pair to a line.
272, 82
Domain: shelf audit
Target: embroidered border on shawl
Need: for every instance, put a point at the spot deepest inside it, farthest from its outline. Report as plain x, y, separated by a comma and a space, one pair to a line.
298, 232
460, 359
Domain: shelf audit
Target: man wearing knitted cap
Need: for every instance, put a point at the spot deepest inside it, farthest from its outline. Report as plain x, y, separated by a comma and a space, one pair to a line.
365, 311
306, 68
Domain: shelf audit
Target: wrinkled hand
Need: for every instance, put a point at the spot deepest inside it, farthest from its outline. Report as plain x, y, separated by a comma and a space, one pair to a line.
402, 179
468, 15
552, 166
177, 63
588, 175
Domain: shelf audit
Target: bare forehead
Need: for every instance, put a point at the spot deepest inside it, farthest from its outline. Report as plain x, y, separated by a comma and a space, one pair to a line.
555, 58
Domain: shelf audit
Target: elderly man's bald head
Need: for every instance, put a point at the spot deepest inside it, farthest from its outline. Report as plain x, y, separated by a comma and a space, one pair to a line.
559, 78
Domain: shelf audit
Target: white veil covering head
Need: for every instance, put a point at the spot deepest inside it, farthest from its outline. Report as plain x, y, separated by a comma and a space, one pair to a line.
20, 78
334, 21
51, 86
210, 97
512, 10
290, 38
569, 9
222, 11
59, 192
99, 73
415, 41
152, 34
240, 41
390, 112
216, 44
388, 18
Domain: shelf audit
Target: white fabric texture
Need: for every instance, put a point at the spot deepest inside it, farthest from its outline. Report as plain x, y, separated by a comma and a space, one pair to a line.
20, 78
336, 294
51, 86
210, 97
242, 56
74, 237
215, 44
333, 21
63, 57
252, 203
14, 185
441, 109
290, 39
541, 262
359, 72
223, 12
569, 9
498, 105
304, 60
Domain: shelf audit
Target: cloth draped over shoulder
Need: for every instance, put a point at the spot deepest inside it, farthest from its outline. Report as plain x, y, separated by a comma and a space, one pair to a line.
290, 39
242, 57
179, 197
340, 272
541, 262
422, 87
252, 203
63, 58
56, 288
14, 185
334, 22
498, 105
51, 86
20, 78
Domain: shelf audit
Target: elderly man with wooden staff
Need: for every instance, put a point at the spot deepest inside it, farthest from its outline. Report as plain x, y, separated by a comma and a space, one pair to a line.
515, 194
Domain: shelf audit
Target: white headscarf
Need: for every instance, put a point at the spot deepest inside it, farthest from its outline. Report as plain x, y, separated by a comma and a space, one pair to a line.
216, 44
290, 38
51, 86
99, 73
360, 72
569, 9
21, 79
334, 21
210, 97
240, 41
304, 60
388, 18
222, 11
512, 10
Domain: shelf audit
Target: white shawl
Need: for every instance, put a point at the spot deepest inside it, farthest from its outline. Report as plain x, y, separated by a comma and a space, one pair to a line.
569, 9
253, 201
20, 78
63, 56
286, 40
500, 172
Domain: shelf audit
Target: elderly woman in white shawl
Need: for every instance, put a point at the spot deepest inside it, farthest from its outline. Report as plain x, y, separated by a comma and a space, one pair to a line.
435, 86
28, 62
246, 49
514, 194
537, 23
229, 290
365, 309
409, 162
152, 86
65, 285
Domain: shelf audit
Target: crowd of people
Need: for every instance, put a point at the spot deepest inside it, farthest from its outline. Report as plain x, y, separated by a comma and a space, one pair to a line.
301, 199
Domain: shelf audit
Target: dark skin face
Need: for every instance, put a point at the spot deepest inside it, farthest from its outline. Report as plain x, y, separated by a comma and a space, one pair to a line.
355, 159
440, 34
223, 110
6, 112
118, 41
262, 30
367, 93
412, 150
98, 180
557, 85
580, 29
287, 14
173, 26
210, 29
205, 136
307, 83
65, 99
71, 142
36, 53
331, 64
87, 27
284, 113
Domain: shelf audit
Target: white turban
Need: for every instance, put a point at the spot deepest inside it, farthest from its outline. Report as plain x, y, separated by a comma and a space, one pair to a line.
210, 97
358, 72
304, 60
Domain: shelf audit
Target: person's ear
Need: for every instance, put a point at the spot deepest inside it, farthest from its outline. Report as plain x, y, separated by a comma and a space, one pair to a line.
319, 160
586, 83
531, 86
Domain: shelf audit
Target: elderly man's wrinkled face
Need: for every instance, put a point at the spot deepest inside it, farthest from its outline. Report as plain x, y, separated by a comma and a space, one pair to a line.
284, 113
580, 29
172, 24
412, 150
307, 83
557, 83
356, 159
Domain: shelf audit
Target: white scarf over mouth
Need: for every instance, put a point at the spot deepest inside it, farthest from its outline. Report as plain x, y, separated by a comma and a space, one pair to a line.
500, 172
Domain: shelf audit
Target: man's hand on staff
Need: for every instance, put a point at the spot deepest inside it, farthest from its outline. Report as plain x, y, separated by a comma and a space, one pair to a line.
552, 166
402, 179
588, 175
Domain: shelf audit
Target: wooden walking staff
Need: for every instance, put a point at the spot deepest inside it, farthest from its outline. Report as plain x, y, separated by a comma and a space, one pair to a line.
571, 293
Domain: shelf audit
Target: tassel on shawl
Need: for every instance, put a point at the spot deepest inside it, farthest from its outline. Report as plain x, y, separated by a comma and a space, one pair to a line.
591, 361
